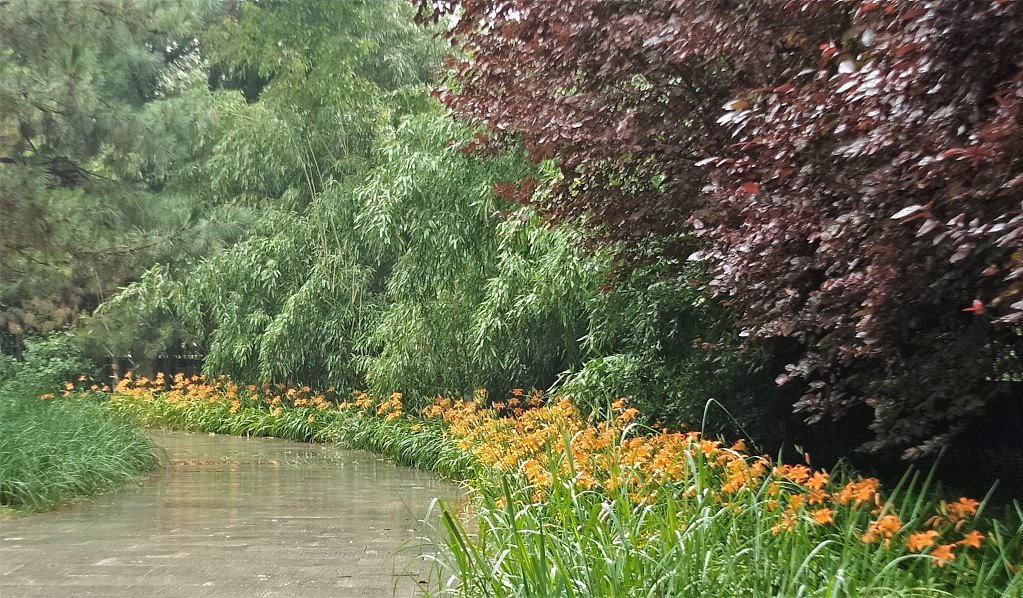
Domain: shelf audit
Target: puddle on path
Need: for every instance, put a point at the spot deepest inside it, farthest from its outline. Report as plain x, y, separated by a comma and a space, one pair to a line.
233, 516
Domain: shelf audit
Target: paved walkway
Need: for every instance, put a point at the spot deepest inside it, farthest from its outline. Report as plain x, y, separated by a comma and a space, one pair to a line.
234, 517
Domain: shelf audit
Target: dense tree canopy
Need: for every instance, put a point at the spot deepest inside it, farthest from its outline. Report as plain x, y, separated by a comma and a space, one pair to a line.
385, 258
297, 93
96, 110
766, 205
851, 172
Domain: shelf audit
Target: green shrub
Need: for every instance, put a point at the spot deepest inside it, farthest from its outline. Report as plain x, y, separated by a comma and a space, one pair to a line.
56, 450
655, 340
46, 365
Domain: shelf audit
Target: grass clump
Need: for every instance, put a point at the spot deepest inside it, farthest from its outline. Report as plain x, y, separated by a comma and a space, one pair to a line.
60, 442
577, 507
607, 508
54, 451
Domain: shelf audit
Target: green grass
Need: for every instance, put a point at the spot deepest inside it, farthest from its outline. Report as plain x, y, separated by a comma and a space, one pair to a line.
582, 543
56, 451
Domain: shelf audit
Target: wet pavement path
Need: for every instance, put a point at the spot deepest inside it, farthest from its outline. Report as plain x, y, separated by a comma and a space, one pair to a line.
230, 517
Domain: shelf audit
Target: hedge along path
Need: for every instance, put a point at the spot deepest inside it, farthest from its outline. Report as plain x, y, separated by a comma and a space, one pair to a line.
235, 516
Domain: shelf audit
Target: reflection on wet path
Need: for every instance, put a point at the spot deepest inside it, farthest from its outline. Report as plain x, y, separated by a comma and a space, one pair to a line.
234, 517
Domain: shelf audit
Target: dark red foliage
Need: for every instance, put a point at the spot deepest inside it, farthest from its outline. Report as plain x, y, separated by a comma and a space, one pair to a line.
854, 171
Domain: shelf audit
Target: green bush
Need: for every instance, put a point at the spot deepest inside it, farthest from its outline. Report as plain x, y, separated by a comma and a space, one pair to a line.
657, 341
47, 364
56, 450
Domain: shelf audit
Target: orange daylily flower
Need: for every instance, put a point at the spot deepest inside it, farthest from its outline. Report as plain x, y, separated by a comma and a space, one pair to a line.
824, 516
885, 527
627, 414
859, 492
787, 524
919, 541
943, 554
797, 473
972, 539
817, 481
963, 507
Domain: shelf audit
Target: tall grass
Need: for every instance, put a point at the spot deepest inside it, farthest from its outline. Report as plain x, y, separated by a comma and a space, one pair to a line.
687, 542
576, 508
569, 507
56, 450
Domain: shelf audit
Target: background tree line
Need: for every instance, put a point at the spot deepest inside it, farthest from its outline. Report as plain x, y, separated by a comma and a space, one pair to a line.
810, 206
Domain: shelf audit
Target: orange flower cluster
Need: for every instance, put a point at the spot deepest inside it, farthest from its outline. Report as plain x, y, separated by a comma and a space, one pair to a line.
951, 520
603, 455
183, 391
600, 453
886, 527
391, 408
82, 387
362, 401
